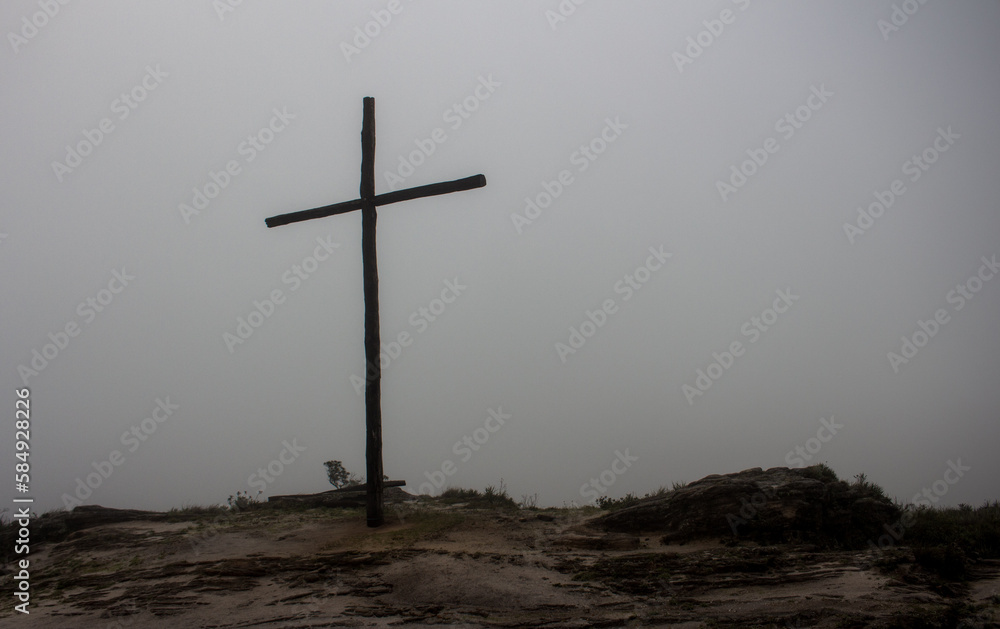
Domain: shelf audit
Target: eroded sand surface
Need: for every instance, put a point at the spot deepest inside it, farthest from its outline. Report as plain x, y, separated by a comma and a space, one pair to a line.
449, 565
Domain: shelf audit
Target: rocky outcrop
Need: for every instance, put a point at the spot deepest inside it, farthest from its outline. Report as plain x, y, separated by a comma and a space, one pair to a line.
772, 506
607, 541
57, 525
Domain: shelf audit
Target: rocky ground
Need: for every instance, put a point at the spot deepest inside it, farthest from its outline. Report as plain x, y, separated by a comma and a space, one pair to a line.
461, 565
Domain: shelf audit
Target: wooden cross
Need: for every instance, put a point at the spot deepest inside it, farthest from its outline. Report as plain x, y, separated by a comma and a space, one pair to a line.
367, 204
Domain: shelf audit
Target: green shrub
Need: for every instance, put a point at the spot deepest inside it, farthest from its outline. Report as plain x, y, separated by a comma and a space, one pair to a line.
494, 496
498, 497
872, 489
195, 510
454, 495
243, 501
613, 504
821, 472
976, 530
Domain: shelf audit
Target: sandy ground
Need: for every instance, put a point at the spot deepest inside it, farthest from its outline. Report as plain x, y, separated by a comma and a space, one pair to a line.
459, 567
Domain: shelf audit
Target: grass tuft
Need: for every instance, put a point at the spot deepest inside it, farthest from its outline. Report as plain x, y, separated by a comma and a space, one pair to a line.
613, 504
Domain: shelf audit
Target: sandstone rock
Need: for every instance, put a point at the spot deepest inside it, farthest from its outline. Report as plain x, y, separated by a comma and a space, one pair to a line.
57, 525
772, 506
608, 541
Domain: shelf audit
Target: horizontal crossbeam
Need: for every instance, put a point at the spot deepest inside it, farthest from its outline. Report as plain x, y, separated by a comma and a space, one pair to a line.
430, 190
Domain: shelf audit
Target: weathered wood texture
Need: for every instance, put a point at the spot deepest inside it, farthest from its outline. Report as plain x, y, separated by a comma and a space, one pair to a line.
373, 370
419, 192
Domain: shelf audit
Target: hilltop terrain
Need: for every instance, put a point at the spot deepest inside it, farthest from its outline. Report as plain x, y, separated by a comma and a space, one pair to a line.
776, 548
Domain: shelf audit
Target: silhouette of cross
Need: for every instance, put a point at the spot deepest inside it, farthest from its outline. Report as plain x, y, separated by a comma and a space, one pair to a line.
367, 204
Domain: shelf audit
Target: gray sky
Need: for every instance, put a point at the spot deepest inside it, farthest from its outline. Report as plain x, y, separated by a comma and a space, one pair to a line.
737, 140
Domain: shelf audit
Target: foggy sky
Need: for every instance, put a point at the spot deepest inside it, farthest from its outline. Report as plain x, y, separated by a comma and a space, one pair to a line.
555, 339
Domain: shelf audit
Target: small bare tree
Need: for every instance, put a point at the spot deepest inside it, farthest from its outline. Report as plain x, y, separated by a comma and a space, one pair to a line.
338, 476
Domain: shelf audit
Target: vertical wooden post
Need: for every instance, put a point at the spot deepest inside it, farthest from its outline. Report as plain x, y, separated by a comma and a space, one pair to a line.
373, 371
